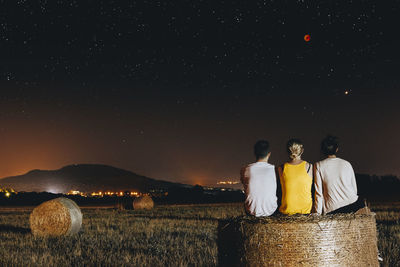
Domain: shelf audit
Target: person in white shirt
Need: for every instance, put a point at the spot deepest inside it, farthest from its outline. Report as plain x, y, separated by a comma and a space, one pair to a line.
259, 182
335, 182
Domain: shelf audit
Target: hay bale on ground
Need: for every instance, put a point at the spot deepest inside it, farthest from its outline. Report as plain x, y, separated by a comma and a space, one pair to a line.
57, 217
300, 240
143, 203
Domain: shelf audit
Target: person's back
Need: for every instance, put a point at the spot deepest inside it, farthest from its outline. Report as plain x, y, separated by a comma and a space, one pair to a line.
259, 182
335, 182
336, 178
296, 186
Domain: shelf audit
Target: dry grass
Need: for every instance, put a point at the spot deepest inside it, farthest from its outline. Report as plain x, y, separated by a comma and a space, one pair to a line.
113, 238
164, 236
387, 213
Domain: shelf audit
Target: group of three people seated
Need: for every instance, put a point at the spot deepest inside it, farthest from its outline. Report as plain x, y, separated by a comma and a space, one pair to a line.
325, 188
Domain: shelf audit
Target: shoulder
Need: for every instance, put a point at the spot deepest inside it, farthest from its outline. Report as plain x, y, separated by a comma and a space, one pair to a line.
347, 167
247, 167
244, 168
323, 162
270, 166
263, 165
318, 163
344, 162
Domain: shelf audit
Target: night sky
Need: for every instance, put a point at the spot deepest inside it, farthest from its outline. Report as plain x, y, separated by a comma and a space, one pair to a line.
181, 90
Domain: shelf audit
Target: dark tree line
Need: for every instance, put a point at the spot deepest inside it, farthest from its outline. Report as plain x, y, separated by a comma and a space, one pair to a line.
373, 188
380, 188
175, 195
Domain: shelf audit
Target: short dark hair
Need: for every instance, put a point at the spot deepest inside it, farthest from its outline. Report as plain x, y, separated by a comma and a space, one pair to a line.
261, 149
329, 145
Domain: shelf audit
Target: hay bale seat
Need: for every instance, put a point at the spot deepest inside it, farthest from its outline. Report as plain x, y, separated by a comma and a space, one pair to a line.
299, 240
143, 203
57, 217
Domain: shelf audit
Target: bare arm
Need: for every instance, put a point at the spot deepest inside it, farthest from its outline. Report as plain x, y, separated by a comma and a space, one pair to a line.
319, 197
242, 170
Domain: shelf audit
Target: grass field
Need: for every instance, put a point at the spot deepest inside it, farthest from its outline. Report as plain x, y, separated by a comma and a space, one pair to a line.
165, 236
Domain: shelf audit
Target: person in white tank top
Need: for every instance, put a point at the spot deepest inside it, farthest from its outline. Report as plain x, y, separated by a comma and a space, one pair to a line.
335, 182
259, 183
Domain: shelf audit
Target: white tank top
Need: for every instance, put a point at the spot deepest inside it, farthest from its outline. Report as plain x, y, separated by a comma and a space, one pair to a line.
259, 182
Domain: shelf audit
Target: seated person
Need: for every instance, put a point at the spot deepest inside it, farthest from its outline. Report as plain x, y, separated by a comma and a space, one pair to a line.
296, 181
335, 182
259, 182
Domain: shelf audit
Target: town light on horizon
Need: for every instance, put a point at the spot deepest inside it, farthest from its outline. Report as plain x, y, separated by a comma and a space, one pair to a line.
228, 182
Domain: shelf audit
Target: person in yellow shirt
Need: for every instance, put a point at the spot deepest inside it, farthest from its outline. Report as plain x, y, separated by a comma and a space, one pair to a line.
296, 181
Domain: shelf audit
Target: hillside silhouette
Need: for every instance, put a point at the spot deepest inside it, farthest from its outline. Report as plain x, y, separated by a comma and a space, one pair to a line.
85, 178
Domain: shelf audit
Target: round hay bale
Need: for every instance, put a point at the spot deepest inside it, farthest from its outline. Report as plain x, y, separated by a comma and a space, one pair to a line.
57, 217
300, 240
143, 203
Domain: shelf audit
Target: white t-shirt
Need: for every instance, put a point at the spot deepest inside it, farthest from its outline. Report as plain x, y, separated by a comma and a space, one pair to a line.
335, 185
259, 182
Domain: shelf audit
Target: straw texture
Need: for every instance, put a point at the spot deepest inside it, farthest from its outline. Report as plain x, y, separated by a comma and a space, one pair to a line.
300, 240
57, 217
143, 203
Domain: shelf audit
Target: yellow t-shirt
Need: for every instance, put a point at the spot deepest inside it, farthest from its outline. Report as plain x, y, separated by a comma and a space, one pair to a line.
296, 189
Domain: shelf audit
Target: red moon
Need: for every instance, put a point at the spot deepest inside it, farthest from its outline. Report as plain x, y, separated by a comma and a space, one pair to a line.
307, 37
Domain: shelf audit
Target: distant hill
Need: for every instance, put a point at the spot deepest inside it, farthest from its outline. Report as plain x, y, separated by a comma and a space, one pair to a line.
85, 178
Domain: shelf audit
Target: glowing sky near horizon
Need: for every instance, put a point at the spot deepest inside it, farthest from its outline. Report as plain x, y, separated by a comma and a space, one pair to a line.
182, 90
